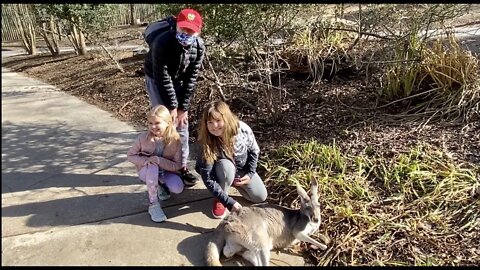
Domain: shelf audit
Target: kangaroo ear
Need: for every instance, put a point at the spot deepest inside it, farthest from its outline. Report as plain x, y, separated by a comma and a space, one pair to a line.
303, 194
314, 190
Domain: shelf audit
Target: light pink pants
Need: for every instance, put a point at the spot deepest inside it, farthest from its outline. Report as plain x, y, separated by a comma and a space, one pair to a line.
149, 175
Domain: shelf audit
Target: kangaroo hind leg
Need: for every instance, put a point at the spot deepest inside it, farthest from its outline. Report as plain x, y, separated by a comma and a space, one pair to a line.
264, 244
264, 255
252, 256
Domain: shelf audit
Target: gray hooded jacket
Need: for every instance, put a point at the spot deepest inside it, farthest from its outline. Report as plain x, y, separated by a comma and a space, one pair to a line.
246, 153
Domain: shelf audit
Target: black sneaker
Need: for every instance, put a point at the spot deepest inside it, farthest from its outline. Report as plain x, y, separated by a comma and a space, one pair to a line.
163, 193
188, 178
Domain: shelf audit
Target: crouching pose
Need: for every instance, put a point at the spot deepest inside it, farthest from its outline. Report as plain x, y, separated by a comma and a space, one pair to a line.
228, 155
157, 156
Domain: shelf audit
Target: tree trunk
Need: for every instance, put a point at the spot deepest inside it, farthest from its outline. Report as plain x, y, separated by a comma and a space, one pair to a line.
32, 36
132, 19
78, 39
55, 36
83, 46
74, 38
44, 34
19, 25
59, 31
25, 27
50, 36
74, 43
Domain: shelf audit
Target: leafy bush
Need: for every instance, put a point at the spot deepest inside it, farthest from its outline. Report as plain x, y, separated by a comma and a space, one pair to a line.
92, 19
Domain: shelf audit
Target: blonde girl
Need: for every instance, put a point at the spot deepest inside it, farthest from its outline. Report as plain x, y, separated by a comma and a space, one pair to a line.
157, 155
228, 155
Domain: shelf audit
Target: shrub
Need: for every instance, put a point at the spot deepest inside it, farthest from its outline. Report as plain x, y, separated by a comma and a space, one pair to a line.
440, 80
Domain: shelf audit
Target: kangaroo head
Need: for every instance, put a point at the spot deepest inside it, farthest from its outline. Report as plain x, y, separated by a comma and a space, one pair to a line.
310, 205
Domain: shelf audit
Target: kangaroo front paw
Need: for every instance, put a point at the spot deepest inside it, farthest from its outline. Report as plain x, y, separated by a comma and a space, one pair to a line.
321, 246
324, 239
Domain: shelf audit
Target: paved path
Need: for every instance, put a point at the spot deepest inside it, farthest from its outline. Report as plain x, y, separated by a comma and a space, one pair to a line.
69, 197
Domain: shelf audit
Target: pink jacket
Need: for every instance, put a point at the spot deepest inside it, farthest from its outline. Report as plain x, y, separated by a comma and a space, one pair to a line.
144, 147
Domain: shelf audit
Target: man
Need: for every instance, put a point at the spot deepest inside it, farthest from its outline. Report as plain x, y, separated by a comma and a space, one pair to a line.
171, 69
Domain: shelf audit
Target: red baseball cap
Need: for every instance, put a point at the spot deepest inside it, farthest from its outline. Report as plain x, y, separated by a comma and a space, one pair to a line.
191, 19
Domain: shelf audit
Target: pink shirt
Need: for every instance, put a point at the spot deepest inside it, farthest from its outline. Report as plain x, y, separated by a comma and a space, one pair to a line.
144, 146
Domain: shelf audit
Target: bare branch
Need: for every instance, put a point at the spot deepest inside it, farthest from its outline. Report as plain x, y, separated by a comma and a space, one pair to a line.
356, 31
217, 81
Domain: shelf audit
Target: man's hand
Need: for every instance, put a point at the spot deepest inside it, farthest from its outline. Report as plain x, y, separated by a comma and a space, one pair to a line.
173, 113
182, 118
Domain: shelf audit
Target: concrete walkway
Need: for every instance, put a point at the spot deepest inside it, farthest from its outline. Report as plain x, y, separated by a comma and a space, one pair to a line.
69, 197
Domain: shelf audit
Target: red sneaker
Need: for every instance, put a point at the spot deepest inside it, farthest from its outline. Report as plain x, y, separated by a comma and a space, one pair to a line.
218, 209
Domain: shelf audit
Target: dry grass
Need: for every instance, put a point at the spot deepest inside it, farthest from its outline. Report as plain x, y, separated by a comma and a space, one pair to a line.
410, 209
322, 48
438, 81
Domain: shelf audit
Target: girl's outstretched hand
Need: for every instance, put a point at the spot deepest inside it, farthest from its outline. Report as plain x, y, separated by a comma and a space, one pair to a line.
236, 207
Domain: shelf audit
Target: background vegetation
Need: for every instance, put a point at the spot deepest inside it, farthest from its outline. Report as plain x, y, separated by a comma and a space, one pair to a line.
415, 206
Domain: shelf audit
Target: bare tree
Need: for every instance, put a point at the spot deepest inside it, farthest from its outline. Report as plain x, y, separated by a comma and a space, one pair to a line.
77, 39
23, 19
49, 30
132, 12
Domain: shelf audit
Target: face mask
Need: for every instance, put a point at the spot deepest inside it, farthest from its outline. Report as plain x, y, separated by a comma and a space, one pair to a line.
185, 39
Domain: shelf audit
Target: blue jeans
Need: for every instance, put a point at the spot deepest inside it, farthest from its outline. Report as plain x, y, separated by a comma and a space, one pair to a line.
155, 99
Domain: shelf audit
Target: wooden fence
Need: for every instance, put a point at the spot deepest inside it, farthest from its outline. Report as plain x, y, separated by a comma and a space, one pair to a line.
143, 12
9, 29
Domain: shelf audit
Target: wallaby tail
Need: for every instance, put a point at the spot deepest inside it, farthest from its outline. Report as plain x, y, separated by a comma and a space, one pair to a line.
214, 248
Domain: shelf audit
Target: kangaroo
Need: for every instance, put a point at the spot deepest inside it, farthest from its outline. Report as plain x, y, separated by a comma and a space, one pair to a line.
255, 230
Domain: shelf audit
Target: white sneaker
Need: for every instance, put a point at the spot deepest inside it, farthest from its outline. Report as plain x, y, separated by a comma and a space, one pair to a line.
156, 212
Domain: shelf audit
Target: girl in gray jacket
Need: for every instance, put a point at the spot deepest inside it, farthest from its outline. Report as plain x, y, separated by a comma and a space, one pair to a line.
228, 156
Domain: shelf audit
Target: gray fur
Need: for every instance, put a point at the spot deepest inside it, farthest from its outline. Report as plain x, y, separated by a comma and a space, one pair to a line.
257, 229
